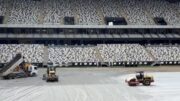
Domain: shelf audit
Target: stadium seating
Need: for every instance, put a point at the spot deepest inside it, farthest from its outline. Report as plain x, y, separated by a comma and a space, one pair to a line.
159, 8
165, 52
32, 53
135, 12
89, 12
24, 12
3, 7
108, 52
123, 52
67, 54
55, 10
91, 54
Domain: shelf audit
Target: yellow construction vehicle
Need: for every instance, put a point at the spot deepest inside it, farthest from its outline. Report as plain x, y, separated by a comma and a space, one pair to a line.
29, 69
51, 75
146, 80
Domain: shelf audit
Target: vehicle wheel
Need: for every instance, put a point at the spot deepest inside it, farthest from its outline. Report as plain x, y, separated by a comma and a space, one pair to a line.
57, 79
33, 75
6, 77
12, 77
146, 82
44, 77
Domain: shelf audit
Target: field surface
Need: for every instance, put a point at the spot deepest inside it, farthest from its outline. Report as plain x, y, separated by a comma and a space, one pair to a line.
94, 84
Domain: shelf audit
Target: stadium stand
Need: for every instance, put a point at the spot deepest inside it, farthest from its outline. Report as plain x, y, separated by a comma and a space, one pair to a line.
24, 12
46, 22
165, 52
108, 53
159, 8
72, 54
135, 13
32, 53
123, 52
91, 12
3, 7
54, 11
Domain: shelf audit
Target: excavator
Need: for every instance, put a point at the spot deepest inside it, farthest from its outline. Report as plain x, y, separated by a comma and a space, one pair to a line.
140, 78
51, 75
17, 68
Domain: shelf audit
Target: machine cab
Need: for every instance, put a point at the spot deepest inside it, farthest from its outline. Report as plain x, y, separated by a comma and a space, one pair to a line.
140, 74
33, 70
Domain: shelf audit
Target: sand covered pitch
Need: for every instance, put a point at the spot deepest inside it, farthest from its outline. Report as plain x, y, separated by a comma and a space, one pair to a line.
90, 86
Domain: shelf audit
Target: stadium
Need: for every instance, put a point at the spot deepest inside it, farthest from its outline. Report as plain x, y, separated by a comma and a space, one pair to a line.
79, 37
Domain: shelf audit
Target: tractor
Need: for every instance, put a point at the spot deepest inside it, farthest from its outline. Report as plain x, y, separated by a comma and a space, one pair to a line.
51, 75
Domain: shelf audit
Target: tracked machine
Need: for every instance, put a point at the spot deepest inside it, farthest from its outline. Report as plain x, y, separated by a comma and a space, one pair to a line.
140, 78
51, 75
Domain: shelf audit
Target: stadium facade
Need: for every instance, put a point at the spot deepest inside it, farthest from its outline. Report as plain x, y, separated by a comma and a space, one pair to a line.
99, 30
